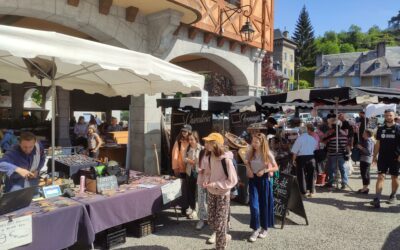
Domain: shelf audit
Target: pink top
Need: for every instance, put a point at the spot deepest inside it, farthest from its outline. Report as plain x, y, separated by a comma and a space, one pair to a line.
316, 137
215, 175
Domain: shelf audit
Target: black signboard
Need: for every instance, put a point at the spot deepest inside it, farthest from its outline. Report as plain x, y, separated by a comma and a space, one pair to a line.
287, 197
201, 121
239, 121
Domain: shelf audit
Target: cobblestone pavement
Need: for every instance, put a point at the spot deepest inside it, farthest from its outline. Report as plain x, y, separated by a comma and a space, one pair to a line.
338, 220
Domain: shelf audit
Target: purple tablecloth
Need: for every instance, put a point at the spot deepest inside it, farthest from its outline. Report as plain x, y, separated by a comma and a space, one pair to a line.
106, 212
65, 224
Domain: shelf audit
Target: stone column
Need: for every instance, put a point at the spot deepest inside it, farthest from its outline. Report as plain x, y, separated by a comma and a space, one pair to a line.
62, 118
144, 132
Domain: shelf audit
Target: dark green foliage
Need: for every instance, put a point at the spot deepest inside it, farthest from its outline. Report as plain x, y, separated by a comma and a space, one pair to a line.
304, 38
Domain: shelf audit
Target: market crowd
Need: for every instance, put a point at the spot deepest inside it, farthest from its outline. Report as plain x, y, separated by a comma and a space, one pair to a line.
209, 170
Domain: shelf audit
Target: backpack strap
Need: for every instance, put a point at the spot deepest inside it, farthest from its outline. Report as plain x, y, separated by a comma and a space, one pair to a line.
223, 162
224, 167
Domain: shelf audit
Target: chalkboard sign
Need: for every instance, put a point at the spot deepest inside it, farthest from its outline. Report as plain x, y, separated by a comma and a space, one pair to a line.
201, 121
239, 121
106, 183
287, 197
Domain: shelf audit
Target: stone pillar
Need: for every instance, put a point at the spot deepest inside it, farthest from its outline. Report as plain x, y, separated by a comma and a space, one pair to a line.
62, 118
17, 100
144, 132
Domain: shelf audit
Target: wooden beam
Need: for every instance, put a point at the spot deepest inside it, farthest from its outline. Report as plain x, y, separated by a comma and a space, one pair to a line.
232, 45
105, 6
192, 33
131, 13
221, 41
207, 37
243, 48
74, 3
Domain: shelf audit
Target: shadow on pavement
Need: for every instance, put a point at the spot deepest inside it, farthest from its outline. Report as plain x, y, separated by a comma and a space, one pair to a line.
355, 205
155, 247
393, 240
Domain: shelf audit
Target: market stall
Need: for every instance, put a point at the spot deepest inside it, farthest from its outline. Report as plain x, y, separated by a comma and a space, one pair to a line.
73, 63
57, 223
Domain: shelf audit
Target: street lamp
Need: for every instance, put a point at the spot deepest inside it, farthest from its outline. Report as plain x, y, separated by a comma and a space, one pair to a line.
298, 66
247, 30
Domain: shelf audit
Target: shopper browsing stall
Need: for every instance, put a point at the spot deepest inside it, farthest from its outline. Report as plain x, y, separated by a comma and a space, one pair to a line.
114, 126
336, 144
219, 184
178, 165
22, 163
303, 158
80, 131
94, 142
260, 165
388, 148
192, 167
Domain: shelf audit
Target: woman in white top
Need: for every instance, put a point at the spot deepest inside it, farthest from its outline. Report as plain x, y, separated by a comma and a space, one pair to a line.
260, 165
191, 161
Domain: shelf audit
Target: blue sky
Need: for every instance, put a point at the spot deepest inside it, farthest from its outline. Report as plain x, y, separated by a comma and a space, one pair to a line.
335, 15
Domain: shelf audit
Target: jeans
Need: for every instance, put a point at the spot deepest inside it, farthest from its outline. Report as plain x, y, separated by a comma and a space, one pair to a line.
261, 202
202, 200
332, 169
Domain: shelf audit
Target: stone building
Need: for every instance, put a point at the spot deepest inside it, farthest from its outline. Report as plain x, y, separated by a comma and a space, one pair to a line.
375, 68
200, 35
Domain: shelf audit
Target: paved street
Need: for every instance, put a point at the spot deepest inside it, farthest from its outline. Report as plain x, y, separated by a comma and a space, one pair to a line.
338, 220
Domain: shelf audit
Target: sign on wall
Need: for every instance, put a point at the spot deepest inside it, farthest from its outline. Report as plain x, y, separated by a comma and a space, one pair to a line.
239, 121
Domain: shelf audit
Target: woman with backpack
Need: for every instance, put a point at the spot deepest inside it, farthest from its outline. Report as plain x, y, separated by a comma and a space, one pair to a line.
219, 179
260, 167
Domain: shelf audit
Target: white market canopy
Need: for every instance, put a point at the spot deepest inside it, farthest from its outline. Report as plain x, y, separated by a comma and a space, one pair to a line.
90, 66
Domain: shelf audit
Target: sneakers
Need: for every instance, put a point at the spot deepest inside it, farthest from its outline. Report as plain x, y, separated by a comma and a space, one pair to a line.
343, 187
254, 235
262, 234
392, 200
192, 215
200, 225
376, 203
211, 240
310, 195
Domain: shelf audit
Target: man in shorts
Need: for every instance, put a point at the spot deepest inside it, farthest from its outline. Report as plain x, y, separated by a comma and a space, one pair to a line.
388, 147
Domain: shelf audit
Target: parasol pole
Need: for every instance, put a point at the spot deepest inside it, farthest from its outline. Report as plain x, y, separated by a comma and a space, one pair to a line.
53, 123
337, 141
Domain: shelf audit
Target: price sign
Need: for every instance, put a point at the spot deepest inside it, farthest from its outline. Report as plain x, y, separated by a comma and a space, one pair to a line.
16, 232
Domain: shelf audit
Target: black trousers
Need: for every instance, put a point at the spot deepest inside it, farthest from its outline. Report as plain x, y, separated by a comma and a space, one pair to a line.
191, 182
305, 173
364, 168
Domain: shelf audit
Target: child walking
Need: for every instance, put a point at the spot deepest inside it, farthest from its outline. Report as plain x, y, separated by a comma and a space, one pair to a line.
367, 149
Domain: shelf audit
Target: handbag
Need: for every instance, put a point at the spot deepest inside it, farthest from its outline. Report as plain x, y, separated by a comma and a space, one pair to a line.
355, 154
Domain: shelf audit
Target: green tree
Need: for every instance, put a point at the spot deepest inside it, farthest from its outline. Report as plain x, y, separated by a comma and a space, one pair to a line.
37, 97
328, 47
304, 38
356, 37
330, 36
346, 48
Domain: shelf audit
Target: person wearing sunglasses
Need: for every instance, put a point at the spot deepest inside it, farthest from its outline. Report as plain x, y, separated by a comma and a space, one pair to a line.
387, 157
